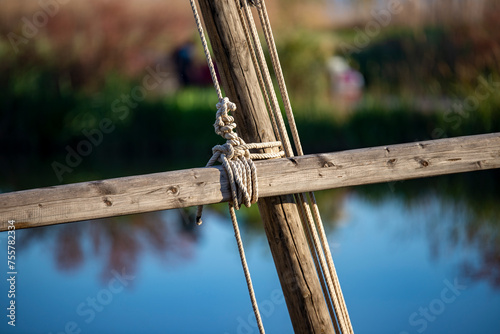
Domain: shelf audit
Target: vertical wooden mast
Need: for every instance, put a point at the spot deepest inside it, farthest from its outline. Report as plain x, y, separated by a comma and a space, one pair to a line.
301, 287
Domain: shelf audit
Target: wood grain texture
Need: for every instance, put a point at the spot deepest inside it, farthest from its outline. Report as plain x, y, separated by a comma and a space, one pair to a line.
169, 190
379, 164
113, 197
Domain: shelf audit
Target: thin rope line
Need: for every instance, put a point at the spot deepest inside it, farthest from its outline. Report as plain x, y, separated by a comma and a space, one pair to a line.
282, 133
266, 26
241, 167
314, 254
324, 266
261, 8
264, 89
245, 268
313, 239
262, 85
329, 259
206, 50
316, 224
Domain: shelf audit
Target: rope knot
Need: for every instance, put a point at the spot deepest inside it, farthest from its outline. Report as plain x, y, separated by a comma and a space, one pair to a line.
225, 104
236, 158
227, 149
224, 123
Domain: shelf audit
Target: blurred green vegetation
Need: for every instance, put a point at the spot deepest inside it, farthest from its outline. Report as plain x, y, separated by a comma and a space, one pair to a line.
42, 114
303, 57
160, 133
434, 60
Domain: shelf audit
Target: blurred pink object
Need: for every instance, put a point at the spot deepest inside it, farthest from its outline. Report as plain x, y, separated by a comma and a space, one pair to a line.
346, 83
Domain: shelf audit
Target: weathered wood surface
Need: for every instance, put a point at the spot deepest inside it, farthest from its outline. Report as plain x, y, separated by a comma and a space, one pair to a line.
294, 264
380, 164
169, 190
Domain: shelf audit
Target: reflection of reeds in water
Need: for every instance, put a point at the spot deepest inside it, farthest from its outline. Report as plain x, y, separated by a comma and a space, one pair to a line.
121, 241
482, 232
461, 214
476, 229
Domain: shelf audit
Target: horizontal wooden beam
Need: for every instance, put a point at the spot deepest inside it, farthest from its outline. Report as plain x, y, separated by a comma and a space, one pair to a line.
169, 190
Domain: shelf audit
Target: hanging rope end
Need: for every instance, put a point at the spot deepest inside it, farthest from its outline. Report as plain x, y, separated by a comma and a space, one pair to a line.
198, 215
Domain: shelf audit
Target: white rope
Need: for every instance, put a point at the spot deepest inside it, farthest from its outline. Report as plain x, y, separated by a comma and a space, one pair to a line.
206, 50
267, 87
242, 176
237, 160
318, 243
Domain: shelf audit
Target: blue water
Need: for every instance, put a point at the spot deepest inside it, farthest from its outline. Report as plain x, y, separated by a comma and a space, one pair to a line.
399, 273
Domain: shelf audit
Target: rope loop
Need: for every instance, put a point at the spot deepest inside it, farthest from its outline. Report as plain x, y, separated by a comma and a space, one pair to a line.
224, 123
236, 158
226, 149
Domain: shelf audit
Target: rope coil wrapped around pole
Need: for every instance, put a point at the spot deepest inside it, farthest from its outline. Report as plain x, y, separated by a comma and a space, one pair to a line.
236, 158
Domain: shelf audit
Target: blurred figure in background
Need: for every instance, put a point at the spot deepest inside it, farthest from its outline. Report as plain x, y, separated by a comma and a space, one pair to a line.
183, 57
346, 83
190, 70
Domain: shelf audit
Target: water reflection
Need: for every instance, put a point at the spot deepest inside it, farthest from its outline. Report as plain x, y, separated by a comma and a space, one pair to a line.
459, 213
171, 236
480, 231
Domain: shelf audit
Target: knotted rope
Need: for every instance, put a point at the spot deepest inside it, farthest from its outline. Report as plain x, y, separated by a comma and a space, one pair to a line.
236, 159
241, 172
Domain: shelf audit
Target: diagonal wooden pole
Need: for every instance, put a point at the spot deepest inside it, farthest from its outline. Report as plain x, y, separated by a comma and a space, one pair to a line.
301, 287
